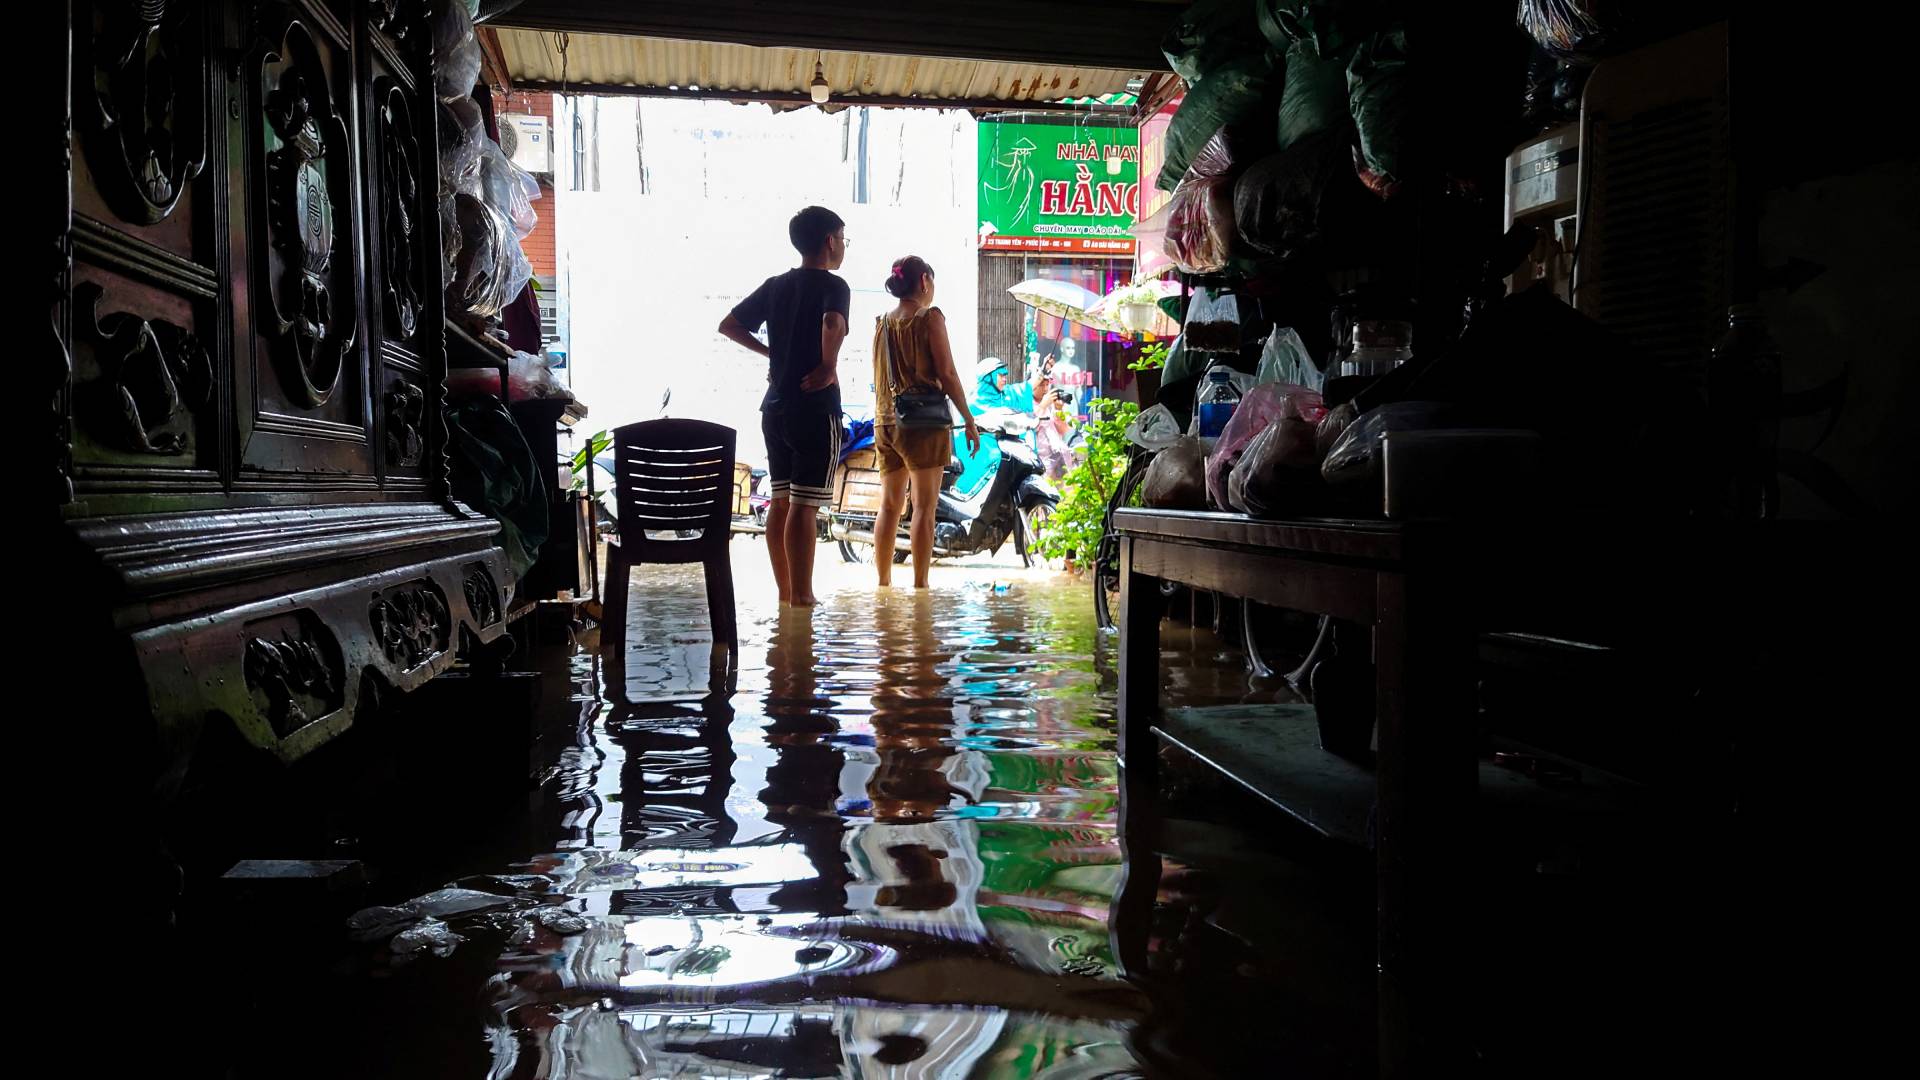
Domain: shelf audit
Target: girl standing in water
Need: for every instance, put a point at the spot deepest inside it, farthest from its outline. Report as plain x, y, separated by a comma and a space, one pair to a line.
911, 351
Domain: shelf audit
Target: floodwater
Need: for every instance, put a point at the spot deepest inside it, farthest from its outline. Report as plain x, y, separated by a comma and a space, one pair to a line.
886, 845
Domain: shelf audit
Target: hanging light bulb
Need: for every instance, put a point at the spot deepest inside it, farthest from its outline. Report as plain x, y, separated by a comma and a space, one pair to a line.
817, 89
1113, 161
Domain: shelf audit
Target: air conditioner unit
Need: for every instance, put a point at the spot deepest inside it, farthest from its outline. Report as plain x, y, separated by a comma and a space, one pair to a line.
531, 142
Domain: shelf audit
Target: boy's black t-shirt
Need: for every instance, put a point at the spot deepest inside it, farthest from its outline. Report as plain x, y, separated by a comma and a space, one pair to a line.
791, 305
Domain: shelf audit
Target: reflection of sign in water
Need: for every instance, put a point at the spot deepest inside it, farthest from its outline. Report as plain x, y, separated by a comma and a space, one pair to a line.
1064, 188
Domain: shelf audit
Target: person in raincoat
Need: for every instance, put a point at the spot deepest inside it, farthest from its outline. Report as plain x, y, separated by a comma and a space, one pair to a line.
992, 390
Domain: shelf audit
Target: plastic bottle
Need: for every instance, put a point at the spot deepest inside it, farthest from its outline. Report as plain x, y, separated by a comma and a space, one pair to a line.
1379, 346
1219, 396
1743, 407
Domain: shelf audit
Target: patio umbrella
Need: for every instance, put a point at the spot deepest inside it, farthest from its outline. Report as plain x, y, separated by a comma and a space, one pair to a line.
1135, 308
1065, 299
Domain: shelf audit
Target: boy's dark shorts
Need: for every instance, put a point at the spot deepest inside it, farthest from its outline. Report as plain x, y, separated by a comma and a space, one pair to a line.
803, 449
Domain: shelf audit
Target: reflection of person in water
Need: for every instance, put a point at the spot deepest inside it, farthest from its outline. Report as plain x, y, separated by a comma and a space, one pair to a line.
911, 721
803, 783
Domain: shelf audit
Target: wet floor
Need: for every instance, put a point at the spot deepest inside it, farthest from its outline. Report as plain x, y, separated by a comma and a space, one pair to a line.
885, 846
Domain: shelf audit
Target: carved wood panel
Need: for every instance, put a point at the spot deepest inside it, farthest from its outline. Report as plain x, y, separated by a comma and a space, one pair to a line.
252, 307
401, 178
144, 323
310, 417
141, 116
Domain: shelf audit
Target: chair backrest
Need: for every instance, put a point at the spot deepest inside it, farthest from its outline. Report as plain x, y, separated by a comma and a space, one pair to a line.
674, 477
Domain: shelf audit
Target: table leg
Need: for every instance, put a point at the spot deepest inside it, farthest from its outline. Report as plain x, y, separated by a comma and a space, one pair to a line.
1427, 775
1139, 765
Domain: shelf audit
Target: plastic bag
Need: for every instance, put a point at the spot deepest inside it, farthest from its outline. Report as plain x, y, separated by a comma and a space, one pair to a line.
1212, 324
492, 210
1260, 408
1277, 474
1355, 455
1200, 216
529, 378
1237, 475
1177, 478
463, 137
509, 189
1286, 203
1154, 429
1576, 29
1315, 98
1379, 93
1332, 426
456, 52
1150, 239
1285, 360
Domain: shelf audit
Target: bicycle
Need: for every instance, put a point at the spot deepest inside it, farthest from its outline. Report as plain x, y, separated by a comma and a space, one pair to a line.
1105, 568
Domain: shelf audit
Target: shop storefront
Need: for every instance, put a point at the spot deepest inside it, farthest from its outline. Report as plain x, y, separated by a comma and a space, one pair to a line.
1055, 203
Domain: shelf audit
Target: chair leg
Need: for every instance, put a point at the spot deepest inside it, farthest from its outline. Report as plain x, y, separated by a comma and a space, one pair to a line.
720, 610
613, 612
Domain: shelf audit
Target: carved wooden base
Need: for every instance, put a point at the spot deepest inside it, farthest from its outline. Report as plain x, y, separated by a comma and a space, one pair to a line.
287, 623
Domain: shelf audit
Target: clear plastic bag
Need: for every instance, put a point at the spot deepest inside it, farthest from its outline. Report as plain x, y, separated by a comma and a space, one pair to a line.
1154, 429
1355, 456
493, 210
529, 378
1177, 478
1237, 475
1285, 360
463, 138
1150, 238
1332, 426
1260, 408
1212, 324
456, 52
509, 189
1575, 29
1277, 475
1200, 216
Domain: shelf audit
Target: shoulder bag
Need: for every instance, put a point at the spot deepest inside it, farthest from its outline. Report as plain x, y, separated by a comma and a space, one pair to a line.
918, 406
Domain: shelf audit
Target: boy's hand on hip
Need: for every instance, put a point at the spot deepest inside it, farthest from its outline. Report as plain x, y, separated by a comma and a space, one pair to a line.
820, 378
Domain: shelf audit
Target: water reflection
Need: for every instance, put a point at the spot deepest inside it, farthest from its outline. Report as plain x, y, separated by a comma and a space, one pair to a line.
887, 851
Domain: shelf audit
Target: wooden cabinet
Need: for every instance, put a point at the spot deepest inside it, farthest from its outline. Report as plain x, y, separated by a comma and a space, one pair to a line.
250, 467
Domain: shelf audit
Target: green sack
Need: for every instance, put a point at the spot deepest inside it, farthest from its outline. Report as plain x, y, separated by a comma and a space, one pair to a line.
1230, 95
1330, 27
1315, 98
1208, 35
1379, 90
491, 469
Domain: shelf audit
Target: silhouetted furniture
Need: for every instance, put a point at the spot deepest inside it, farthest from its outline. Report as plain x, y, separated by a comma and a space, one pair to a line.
675, 495
1425, 591
242, 467
564, 560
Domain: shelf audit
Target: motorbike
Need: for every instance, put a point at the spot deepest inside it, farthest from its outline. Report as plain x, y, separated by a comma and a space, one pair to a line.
759, 500
1009, 498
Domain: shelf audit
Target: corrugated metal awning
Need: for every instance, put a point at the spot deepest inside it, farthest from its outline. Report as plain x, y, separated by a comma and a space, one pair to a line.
605, 63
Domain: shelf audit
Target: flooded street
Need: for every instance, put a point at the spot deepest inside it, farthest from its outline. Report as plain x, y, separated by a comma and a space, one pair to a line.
886, 846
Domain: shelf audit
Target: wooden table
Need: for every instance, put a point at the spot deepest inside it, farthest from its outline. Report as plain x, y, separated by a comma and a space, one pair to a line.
1425, 590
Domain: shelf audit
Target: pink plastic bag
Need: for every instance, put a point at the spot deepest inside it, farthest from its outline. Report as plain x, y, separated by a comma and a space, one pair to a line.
1261, 408
1200, 215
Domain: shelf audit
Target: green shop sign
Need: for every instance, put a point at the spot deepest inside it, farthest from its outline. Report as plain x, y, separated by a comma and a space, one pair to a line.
1060, 188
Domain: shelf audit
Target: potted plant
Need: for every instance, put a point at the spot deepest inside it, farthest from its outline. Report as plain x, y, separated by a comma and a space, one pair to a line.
1135, 307
1146, 367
